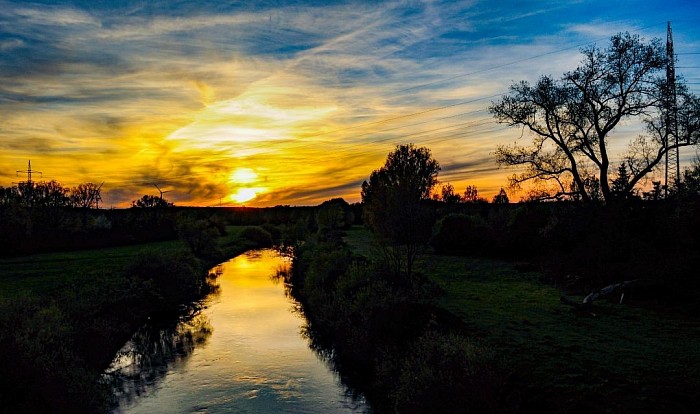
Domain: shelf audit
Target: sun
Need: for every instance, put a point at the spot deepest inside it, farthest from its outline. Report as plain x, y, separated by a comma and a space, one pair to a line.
244, 176
243, 195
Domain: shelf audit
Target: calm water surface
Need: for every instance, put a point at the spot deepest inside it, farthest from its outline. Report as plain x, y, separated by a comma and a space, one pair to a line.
242, 353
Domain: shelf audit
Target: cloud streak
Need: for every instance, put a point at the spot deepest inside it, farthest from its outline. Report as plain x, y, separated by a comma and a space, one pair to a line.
309, 97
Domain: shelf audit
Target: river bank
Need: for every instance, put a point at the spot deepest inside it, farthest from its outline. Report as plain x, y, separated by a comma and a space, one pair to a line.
496, 338
63, 316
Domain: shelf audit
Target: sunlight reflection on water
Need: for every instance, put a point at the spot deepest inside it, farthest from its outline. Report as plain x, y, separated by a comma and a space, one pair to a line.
243, 352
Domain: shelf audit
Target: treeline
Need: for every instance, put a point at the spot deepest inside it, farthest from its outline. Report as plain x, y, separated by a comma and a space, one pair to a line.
584, 248
51, 194
47, 227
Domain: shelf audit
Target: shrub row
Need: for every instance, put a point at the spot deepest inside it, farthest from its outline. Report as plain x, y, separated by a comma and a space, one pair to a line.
593, 245
385, 336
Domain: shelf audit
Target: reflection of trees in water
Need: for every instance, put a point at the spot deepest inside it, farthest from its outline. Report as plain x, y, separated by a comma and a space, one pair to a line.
212, 288
152, 349
320, 342
322, 345
283, 274
145, 359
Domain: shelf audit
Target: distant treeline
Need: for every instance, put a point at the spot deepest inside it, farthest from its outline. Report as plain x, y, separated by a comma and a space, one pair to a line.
27, 230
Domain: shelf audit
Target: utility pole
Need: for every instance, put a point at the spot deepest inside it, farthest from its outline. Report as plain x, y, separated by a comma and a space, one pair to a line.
673, 170
29, 172
27, 189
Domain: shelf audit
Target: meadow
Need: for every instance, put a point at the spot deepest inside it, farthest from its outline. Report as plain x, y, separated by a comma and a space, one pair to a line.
612, 357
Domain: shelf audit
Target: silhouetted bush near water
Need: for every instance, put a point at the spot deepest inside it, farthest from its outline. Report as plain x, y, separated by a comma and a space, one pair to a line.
53, 349
387, 340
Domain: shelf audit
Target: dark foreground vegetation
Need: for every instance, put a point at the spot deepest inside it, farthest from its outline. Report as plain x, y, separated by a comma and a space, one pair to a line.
64, 315
386, 336
467, 334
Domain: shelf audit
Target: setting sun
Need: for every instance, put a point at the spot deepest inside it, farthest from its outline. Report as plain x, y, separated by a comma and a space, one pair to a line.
243, 195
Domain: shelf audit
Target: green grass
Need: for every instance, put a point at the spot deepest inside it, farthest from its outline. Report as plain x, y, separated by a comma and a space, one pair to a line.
49, 273
631, 358
43, 274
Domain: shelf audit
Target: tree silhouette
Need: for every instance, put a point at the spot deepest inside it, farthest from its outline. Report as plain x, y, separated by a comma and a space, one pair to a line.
501, 197
42, 194
393, 203
86, 195
149, 201
620, 185
448, 195
571, 119
471, 195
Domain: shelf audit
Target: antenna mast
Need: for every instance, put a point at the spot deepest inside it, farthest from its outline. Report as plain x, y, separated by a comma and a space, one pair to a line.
673, 169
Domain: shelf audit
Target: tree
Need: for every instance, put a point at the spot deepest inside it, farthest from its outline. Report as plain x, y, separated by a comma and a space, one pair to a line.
149, 201
393, 203
655, 193
448, 195
571, 119
334, 214
86, 195
620, 185
9, 196
43, 194
691, 179
501, 197
471, 195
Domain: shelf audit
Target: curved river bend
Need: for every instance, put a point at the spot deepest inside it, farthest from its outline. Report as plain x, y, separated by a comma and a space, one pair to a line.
243, 353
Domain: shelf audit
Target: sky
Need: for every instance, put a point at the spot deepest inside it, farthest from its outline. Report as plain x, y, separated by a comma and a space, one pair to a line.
286, 102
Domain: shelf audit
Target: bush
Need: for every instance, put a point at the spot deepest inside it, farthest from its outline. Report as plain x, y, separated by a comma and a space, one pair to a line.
274, 230
171, 278
258, 235
200, 236
448, 373
41, 371
459, 234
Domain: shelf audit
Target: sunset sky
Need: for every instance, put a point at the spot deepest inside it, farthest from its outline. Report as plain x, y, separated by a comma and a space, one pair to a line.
285, 102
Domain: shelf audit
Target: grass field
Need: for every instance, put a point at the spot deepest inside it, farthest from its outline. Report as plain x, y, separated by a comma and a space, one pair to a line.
623, 359
50, 273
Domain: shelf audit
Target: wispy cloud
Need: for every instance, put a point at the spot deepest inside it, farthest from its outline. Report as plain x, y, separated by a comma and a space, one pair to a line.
309, 97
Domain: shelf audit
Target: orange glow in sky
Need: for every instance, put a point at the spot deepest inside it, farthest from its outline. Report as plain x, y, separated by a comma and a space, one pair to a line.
225, 104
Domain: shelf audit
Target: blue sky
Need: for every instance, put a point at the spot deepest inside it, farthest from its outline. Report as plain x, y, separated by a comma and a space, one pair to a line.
279, 102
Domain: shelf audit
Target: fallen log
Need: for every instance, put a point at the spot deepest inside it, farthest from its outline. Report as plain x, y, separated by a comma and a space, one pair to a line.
587, 303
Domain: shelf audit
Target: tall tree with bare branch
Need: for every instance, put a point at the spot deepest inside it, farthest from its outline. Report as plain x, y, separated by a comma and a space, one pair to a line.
571, 120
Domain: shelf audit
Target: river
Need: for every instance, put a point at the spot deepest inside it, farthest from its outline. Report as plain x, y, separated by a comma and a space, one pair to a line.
242, 352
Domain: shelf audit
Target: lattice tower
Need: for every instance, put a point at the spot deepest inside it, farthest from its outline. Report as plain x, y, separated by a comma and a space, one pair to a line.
673, 172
